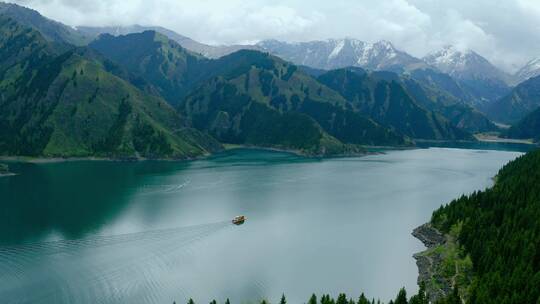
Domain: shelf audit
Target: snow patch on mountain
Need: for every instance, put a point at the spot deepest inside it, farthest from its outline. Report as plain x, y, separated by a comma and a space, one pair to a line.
339, 53
530, 70
337, 49
464, 64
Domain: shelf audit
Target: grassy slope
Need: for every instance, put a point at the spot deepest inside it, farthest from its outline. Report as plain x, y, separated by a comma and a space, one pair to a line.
171, 69
387, 102
527, 128
254, 84
69, 105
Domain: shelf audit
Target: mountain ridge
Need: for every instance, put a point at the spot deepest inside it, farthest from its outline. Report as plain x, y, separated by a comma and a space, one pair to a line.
69, 105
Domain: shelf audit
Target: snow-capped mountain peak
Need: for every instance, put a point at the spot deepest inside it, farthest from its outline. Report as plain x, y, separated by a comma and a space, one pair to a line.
530, 70
339, 53
464, 64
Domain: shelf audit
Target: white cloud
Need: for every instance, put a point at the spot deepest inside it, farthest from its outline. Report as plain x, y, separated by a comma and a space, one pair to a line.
506, 32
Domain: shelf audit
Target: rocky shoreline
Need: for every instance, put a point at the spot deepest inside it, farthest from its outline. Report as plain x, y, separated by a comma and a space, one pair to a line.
429, 261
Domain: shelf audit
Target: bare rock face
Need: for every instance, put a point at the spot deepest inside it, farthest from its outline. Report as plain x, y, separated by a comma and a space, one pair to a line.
428, 235
437, 286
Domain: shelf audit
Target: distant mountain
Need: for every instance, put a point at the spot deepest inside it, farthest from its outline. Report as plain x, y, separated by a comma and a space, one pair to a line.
51, 30
440, 93
339, 53
527, 128
270, 91
209, 51
521, 101
530, 70
72, 104
261, 99
381, 96
473, 72
162, 62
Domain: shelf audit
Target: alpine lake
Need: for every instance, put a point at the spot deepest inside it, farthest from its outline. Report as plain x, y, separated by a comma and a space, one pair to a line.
158, 232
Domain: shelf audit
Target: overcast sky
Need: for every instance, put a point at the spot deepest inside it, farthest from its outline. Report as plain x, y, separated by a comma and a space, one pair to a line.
505, 31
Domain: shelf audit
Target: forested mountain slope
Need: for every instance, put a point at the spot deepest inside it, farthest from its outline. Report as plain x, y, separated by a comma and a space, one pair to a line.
387, 102
500, 231
69, 104
258, 98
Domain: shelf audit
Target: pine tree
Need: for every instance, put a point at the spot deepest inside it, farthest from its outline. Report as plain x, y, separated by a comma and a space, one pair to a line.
363, 300
284, 300
401, 297
313, 299
227, 301
191, 301
342, 299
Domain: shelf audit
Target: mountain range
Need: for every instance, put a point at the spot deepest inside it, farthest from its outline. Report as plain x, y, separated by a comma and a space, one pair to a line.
485, 82
177, 98
206, 50
58, 103
340, 53
522, 100
530, 70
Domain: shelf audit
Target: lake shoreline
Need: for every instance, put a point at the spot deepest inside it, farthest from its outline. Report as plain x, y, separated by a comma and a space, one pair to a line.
227, 147
428, 261
496, 139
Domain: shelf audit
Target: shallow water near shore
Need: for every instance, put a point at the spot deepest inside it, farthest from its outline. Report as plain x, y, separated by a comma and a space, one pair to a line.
158, 232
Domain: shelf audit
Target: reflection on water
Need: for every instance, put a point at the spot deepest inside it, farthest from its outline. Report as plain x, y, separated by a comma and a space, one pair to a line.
158, 232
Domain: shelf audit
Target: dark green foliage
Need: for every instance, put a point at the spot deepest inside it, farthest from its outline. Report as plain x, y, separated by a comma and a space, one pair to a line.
227, 301
290, 72
258, 124
386, 101
342, 299
190, 301
265, 79
440, 93
53, 31
223, 93
54, 104
264, 302
363, 300
501, 232
452, 298
116, 132
421, 297
313, 299
213, 302
527, 128
172, 70
348, 126
149, 142
283, 300
401, 297
521, 101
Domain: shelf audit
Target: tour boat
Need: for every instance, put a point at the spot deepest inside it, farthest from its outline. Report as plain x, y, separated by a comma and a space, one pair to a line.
239, 220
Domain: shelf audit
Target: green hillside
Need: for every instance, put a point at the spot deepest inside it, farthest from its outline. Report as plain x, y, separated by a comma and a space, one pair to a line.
438, 92
388, 103
51, 30
171, 69
527, 128
259, 96
247, 97
69, 105
499, 230
522, 100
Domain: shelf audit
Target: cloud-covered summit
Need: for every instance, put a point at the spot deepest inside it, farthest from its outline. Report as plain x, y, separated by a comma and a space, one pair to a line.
505, 32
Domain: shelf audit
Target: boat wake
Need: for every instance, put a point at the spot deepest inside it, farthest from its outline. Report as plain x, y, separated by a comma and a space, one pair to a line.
127, 268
